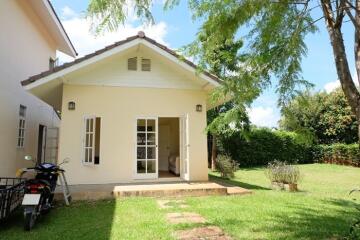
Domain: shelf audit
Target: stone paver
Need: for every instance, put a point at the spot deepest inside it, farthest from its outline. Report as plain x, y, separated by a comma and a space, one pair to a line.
164, 204
202, 233
185, 217
237, 191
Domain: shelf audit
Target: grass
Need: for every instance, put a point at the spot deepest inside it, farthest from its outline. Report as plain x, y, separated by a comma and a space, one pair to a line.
321, 210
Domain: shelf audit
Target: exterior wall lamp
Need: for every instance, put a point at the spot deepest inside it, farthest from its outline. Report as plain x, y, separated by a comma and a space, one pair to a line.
71, 105
199, 108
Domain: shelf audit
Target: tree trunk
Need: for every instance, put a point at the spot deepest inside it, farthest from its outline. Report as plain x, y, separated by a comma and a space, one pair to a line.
213, 153
341, 62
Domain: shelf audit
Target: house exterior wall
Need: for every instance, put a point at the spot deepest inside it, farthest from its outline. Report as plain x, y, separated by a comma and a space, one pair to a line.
25, 49
118, 108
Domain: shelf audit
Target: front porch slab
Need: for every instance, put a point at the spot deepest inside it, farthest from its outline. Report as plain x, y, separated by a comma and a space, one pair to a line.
171, 189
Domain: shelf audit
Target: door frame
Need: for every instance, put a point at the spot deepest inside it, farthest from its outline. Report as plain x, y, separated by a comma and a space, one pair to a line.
155, 175
181, 118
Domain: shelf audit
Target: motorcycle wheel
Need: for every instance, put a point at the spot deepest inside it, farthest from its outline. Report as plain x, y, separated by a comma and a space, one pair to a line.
29, 220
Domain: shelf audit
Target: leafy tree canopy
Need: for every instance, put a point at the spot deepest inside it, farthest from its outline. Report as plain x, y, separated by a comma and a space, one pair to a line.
323, 117
272, 32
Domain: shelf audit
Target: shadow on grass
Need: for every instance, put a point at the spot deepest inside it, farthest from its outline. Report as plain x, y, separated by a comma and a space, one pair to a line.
81, 220
236, 183
333, 221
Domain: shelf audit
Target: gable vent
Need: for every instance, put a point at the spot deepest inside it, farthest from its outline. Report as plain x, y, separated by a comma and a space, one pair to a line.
145, 65
132, 64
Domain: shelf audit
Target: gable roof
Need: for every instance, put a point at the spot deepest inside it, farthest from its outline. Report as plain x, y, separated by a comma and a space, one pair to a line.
47, 14
141, 35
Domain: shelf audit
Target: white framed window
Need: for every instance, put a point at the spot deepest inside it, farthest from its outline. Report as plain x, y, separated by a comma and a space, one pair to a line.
91, 140
21, 127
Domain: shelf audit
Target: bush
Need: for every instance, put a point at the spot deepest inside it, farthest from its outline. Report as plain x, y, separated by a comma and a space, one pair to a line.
281, 172
226, 166
344, 154
263, 146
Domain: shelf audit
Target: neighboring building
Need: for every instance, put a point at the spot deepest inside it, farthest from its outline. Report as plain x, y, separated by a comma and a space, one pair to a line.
30, 35
131, 111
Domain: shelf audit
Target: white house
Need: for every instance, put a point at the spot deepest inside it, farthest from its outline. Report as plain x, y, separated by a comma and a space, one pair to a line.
133, 111
30, 35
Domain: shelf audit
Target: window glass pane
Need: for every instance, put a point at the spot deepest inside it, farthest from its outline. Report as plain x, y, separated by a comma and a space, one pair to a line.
91, 140
23, 123
22, 111
151, 139
19, 142
141, 125
90, 154
87, 140
141, 138
86, 155
151, 153
151, 166
141, 154
141, 167
87, 125
151, 125
91, 125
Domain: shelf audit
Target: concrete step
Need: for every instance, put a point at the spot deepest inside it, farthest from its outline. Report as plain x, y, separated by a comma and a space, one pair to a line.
108, 191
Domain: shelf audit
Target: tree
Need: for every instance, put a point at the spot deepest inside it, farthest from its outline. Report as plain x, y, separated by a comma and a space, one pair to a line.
323, 117
223, 60
273, 30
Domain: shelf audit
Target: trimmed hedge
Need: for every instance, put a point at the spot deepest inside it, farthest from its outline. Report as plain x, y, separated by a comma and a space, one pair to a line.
344, 154
263, 146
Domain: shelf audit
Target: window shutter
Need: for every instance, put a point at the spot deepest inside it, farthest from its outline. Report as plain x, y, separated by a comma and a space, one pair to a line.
132, 64
145, 65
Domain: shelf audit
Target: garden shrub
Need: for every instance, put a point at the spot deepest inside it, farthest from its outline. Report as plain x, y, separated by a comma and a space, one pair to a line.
226, 166
344, 154
281, 172
264, 145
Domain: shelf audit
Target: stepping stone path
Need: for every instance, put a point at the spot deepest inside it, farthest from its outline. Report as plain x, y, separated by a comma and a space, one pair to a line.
164, 204
202, 233
198, 233
185, 217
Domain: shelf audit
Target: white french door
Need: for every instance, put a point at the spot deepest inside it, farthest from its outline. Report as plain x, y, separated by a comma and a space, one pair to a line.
185, 145
146, 150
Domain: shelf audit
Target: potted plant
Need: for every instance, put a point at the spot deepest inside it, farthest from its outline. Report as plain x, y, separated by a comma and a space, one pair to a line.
283, 176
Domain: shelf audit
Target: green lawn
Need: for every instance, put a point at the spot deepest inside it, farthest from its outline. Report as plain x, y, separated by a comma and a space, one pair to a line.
321, 210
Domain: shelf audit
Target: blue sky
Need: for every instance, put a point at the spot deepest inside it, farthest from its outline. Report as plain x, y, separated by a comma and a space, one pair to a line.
175, 28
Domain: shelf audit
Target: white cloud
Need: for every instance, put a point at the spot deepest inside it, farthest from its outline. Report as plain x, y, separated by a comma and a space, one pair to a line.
264, 116
85, 42
67, 12
331, 86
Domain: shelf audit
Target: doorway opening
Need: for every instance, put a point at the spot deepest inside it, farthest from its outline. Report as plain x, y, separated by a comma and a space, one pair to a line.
41, 144
169, 147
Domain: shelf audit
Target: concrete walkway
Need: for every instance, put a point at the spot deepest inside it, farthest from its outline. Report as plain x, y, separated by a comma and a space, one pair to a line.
171, 189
